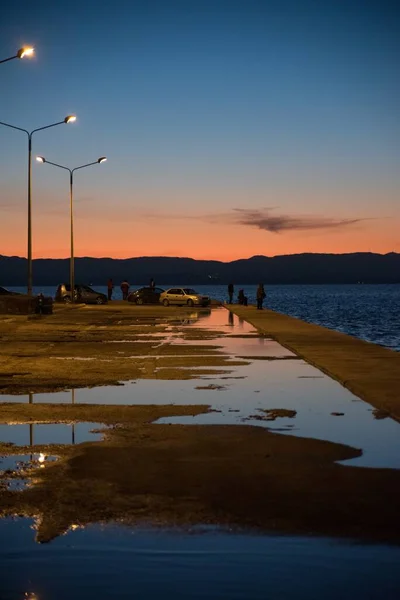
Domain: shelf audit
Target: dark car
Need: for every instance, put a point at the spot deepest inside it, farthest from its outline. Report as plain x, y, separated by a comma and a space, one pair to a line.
146, 295
83, 294
16, 303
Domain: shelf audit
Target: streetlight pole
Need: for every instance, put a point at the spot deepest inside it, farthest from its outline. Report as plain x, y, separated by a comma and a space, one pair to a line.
68, 119
22, 53
41, 159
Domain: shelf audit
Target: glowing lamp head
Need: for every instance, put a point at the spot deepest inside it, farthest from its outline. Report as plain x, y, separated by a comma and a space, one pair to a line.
41, 159
70, 119
25, 51
102, 159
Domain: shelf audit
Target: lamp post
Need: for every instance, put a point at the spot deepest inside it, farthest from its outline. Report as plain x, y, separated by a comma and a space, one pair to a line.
68, 119
100, 160
22, 53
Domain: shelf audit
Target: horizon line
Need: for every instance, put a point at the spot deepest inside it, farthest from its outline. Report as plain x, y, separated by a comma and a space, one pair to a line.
2, 256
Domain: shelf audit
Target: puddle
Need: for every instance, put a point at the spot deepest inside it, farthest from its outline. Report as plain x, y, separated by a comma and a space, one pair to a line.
21, 467
22, 462
40, 434
15, 485
257, 386
110, 561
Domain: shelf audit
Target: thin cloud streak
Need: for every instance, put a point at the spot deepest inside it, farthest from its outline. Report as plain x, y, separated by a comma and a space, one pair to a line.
266, 220
263, 219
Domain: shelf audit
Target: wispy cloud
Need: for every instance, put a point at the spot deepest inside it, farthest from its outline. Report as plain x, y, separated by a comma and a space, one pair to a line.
267, 219
276, 223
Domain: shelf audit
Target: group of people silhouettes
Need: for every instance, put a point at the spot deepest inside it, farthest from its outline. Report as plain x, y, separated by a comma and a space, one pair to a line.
242, 298
125, 285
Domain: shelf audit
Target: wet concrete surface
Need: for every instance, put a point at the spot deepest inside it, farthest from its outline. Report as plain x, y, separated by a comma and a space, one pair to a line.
116, 561
274, 378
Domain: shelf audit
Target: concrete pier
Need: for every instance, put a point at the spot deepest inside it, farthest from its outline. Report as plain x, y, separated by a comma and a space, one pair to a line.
370, 371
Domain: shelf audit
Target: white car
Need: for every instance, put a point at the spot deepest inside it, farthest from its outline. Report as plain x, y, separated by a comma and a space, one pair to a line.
183, 296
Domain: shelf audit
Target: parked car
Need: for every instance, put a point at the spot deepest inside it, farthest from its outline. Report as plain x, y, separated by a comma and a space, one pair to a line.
145, 295
183, 296
83, 294
16, 303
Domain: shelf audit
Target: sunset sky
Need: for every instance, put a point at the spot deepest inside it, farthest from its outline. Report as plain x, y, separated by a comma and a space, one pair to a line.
231, 128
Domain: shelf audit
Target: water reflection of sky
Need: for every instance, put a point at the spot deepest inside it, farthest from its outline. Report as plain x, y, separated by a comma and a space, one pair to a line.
16, 469
29, 434
112, 561
20, 462
262, 384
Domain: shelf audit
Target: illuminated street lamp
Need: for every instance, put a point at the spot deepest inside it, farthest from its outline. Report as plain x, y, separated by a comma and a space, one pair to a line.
68, 119
26, 51
100, 160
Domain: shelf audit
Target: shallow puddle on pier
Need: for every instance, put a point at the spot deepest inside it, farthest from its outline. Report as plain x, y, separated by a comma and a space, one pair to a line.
17, 469
19, 463
113, 561
242, 393
40, 434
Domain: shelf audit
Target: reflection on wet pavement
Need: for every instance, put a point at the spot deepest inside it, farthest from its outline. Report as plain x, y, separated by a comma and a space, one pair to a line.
113, 561
30, 434
241, 392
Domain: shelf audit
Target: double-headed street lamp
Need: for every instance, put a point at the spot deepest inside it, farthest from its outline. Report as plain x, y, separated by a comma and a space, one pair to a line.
41, 159
68, 119
22, 53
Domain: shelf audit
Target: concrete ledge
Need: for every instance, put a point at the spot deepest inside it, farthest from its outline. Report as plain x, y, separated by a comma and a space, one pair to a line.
368, 370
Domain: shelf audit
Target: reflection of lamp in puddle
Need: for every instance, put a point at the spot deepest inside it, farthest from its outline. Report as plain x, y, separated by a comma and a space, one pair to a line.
230, 318
72, 396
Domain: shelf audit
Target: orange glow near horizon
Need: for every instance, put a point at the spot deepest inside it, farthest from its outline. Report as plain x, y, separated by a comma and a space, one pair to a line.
199, 223
193, 239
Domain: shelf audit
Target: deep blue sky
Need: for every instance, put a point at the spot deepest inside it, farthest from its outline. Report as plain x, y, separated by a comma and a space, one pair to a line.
203, 107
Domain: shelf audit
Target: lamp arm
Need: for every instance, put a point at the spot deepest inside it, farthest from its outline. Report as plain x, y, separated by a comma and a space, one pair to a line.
83, 166
47, 126
14, 127
48, 162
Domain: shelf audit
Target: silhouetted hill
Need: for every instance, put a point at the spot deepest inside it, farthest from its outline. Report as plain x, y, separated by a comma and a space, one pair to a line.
363, 267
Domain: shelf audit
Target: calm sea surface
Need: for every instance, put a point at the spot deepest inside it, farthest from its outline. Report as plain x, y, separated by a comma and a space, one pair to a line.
370, 312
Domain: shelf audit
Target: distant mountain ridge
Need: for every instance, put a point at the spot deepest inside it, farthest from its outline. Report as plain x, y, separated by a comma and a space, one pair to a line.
365, 267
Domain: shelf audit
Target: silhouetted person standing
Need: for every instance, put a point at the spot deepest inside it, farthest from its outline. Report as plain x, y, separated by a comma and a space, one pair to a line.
124, 289
231, 291
242, 299
152, 284
260, 296
110, 287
